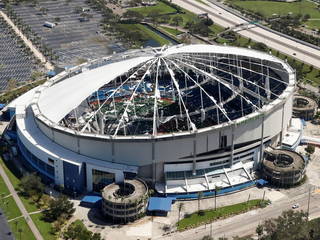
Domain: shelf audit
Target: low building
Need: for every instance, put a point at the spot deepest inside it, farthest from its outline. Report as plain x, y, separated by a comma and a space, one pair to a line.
126, 201
304, 107
283, 167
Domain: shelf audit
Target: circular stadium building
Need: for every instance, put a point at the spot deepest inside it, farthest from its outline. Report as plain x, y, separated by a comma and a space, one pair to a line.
185, 118
304, 107
126, 201
283, 167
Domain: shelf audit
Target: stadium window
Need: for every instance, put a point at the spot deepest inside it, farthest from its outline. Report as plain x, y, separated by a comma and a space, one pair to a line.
223, 141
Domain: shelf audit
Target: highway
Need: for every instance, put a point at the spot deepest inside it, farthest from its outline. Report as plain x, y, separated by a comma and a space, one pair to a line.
245, 224
225, 18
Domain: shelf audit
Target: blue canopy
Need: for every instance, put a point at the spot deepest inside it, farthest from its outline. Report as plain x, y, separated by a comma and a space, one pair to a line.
160, 204
262, 182
51, 73
91, 199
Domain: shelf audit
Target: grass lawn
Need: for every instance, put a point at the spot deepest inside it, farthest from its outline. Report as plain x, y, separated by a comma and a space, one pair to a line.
160, 8
195, 219
170, 30
4, 191
14, 177
44, 227
10, 208
21, 223
187, 17
146, 33
313, 76
267, 8
11, 172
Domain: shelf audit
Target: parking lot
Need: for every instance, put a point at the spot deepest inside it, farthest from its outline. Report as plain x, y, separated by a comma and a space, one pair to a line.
15, 63
71, 40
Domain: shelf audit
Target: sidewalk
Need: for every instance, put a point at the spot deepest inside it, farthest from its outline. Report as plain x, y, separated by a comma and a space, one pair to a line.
20, 205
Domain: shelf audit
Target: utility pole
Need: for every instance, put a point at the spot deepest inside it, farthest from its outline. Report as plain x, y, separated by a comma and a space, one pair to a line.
308, 203
211, 230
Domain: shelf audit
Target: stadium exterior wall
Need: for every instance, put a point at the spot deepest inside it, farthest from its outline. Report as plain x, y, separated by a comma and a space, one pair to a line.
139, 153
76, 155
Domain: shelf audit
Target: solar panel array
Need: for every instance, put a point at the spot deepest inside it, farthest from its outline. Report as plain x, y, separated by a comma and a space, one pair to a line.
15, 63
71, 39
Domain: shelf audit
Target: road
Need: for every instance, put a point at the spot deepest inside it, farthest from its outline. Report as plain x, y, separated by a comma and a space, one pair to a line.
224, 18
20, 205
29, 44
245, 224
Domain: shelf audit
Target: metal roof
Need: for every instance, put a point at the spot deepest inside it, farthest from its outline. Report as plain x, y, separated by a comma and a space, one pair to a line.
160, 92
160, 204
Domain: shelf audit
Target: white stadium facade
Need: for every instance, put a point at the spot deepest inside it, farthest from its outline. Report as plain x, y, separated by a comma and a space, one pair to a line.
185, 118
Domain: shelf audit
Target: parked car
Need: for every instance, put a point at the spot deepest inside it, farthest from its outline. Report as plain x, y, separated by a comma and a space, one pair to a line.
295, 206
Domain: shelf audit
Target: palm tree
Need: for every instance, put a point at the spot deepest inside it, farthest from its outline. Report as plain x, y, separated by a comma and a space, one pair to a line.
216, 190
200, 195
180, 208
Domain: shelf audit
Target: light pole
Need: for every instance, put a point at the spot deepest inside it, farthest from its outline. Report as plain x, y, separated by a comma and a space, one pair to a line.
308, 210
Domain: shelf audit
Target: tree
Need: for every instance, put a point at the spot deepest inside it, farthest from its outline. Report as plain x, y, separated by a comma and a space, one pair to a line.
310, 149
259, 231
153, 15
216, 190
207, 237
260, 46
177, 20
133, 16
77, 231
291, 225
32, 186
200, 195
57, 207
164, 19
207, 21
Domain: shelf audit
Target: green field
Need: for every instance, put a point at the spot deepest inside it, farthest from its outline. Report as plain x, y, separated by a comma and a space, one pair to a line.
10, 208
160, 8
14, 175
267, 8
4, 191
146, 33
170, 30
44, 227
208, 216
25, 232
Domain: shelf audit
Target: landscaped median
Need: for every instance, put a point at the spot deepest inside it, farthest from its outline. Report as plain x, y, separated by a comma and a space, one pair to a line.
207, 216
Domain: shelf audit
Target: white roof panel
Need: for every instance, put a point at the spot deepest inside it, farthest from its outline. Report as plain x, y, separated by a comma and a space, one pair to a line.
24, 99
59, 99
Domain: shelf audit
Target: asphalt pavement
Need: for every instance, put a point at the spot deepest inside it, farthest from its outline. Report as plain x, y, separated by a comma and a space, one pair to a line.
224, 18
245, 224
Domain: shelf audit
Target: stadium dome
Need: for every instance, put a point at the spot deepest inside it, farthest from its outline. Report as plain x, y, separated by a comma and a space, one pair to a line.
186, 118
